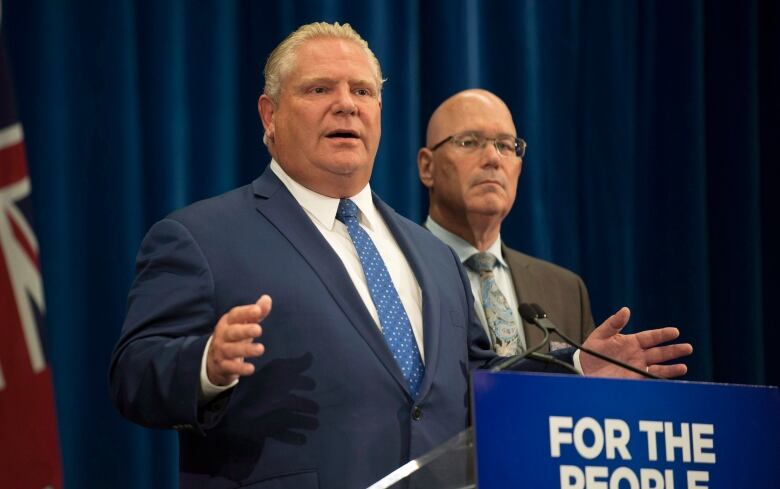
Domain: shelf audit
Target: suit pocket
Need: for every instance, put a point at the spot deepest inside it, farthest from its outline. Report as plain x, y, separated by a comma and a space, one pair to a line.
457, 319
299, 480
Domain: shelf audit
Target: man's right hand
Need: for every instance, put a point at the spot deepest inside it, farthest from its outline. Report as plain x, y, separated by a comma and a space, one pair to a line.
232, 341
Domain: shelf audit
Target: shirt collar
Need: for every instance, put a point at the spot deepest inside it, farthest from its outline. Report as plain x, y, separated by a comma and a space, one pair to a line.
463, 248
323, 208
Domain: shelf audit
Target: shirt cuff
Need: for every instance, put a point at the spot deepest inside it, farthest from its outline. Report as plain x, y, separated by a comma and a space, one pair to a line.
209, 391
576, 360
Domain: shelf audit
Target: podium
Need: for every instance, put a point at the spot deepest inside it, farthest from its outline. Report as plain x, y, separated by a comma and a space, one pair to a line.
569, 432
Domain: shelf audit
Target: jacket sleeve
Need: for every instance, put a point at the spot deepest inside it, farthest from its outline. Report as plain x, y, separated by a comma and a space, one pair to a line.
587, 324
155, 367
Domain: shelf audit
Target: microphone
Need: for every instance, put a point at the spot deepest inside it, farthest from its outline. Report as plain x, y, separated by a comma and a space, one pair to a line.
533, 354
534, 314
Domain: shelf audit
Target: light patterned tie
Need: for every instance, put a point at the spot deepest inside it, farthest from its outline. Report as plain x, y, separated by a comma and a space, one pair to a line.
396, 327
504, 331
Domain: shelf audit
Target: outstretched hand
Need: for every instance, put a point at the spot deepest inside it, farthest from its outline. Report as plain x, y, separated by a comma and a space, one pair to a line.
233, 341
644, 350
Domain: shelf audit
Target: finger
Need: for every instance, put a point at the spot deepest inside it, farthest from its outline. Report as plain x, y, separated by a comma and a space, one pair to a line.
240, 332
612, 325
668, 371
653, 337
235, 367
245, 314
240, 350
265, 303
666, 353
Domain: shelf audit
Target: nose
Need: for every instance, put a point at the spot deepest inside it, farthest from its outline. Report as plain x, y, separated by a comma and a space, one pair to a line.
344, 103
490, 154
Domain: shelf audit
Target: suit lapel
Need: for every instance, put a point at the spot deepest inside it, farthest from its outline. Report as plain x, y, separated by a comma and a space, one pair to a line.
527, 288
430, 298
275, 202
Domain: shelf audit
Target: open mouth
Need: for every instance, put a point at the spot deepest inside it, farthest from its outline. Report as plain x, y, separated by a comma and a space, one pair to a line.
342, 134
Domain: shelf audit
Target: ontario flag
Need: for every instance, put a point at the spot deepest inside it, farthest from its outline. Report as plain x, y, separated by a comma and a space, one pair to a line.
29, 447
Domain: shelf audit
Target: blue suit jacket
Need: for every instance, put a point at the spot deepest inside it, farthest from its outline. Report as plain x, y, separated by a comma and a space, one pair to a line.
327, 406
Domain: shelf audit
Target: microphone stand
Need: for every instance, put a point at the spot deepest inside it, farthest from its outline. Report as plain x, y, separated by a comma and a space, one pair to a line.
534, 314
533, 354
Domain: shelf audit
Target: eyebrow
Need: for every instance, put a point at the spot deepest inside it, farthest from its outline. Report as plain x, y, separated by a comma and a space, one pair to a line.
327, 80
500, 135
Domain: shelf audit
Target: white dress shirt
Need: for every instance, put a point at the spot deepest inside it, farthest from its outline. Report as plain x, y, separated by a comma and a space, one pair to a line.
322, 212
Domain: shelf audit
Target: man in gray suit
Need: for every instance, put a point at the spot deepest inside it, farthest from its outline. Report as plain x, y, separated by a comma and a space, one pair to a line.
470, 165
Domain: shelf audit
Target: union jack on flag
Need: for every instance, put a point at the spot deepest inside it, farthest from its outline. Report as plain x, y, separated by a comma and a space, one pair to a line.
29, 448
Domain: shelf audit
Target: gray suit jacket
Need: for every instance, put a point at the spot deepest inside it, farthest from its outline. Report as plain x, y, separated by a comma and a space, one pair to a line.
560, 292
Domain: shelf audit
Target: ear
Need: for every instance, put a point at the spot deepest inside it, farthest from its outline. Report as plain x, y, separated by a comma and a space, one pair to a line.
425, 166
267, 109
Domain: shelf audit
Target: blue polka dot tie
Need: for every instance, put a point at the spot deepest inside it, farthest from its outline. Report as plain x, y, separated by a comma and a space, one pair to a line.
395, 323
504, 331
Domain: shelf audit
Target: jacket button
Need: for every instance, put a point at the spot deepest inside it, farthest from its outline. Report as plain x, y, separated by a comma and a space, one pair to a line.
417, 413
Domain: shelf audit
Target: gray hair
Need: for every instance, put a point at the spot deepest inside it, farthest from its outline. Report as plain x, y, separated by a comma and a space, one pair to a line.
282, 58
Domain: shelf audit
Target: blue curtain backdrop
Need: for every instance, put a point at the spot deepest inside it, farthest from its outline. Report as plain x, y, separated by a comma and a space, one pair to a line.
653, 132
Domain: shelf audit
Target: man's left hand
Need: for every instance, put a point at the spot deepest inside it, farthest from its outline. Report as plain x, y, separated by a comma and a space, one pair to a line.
644, 350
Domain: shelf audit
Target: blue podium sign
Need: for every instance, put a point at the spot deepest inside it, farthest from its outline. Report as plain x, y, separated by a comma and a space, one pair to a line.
568, 432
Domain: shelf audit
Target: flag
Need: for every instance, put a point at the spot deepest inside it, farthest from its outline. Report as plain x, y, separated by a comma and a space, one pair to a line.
29, 446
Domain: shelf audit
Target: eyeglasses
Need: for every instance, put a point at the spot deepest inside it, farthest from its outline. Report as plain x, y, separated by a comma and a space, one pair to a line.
469, 142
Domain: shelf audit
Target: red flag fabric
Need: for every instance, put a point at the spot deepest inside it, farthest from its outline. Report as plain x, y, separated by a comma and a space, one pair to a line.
29, 446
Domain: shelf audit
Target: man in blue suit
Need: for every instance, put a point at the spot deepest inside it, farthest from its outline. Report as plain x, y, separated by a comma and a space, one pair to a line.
365, 356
